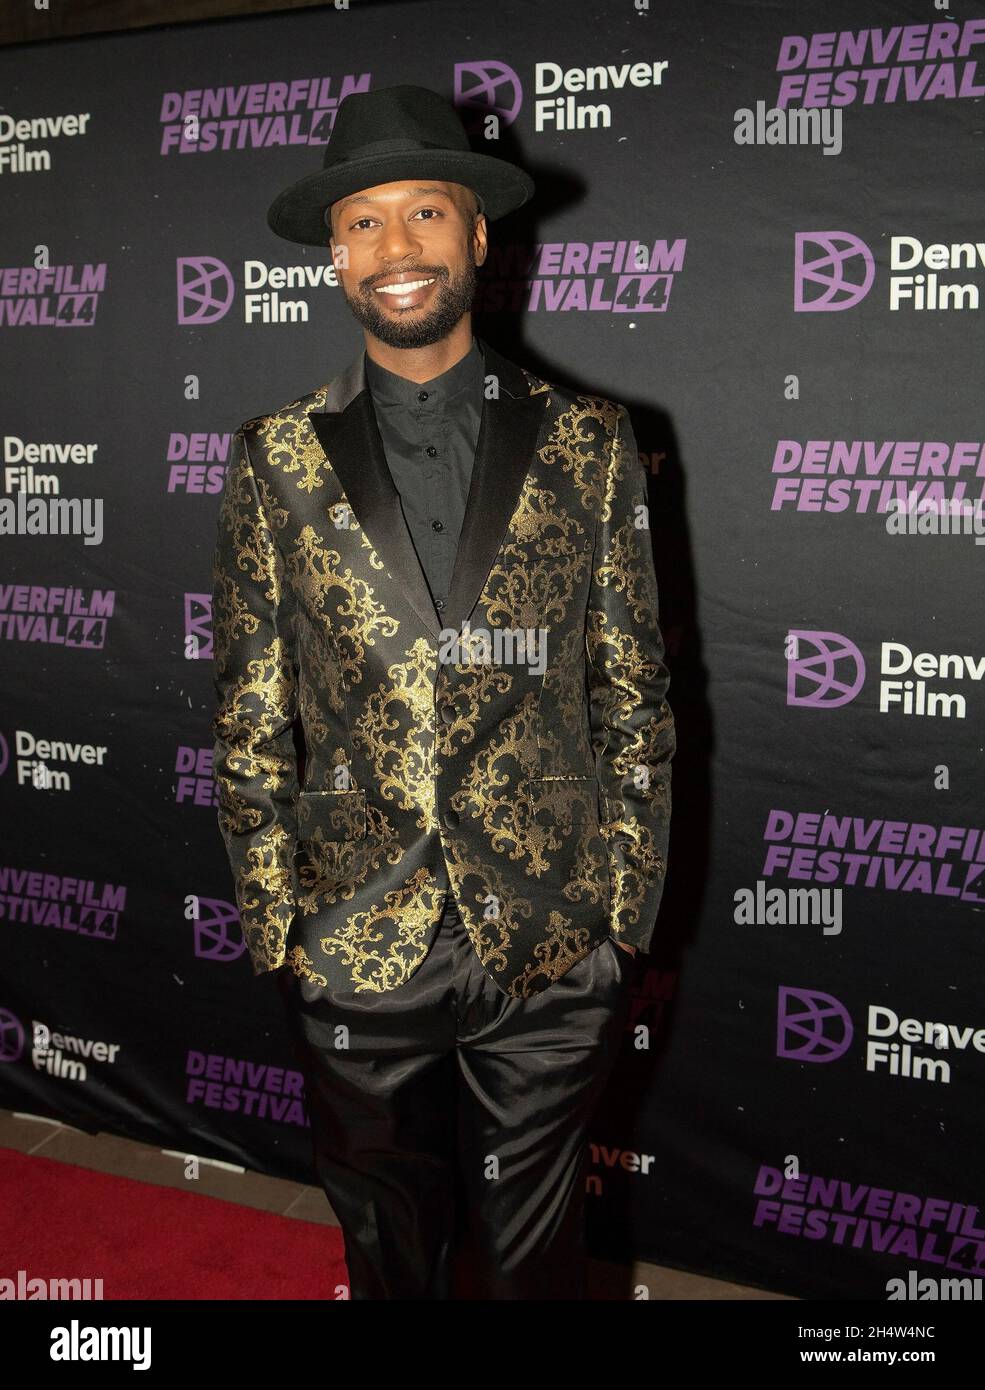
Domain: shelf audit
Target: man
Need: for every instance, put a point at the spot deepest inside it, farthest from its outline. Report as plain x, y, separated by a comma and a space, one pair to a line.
437, 570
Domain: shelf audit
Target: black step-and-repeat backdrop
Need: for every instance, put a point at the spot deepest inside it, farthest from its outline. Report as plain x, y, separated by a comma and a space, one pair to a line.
758, 226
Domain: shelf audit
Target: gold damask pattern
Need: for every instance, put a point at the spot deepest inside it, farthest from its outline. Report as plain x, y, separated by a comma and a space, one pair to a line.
562, 947
581, 434
375, 959
633, 728
346, 604
253, 760
539, 774
396, 730
289, 443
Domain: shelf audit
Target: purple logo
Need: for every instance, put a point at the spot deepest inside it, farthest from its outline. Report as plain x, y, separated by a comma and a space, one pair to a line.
833, 671
205, 289
198, 627
254, 115
817, 1206
881, 65
623, 276
46, 613
66, 903
51, 296
213, 940
826, 271
11, 1036
195, 782
811, 1026
249, 1088
197, 462
490, 87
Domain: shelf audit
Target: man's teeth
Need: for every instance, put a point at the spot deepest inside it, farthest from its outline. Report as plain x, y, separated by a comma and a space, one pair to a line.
403, 289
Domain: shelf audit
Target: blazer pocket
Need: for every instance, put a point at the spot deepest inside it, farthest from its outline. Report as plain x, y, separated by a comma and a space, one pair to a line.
331, 817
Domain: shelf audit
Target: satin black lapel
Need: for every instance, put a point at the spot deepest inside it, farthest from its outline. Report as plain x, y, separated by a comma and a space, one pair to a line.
354, 447
504, 451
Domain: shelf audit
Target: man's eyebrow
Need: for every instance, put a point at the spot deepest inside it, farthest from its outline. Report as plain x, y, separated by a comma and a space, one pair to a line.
411, 193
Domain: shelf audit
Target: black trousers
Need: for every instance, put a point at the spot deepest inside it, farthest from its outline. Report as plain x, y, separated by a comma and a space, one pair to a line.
447, 1116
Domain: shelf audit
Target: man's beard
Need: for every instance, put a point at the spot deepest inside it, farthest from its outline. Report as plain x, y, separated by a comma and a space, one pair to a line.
416, 328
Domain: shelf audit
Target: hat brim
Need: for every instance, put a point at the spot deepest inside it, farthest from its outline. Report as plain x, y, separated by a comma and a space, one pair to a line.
298, 213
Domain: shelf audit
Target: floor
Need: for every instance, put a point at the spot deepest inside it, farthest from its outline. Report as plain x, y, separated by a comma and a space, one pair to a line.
107, 1153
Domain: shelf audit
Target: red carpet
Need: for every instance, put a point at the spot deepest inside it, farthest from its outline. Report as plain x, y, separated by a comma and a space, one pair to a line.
61, 1221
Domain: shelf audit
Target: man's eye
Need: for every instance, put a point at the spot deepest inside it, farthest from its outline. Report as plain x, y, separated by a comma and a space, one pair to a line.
359, 221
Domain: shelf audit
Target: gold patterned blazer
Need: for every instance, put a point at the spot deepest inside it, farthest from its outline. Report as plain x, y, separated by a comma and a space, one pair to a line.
524, 735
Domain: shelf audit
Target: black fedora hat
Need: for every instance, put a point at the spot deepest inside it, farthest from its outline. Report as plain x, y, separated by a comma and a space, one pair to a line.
394, 133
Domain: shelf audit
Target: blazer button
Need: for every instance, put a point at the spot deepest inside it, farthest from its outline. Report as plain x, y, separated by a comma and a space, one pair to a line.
451, 819
448, 713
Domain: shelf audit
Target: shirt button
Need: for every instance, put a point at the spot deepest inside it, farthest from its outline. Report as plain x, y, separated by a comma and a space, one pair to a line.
439, 603
423, 395
437, 525
431, 451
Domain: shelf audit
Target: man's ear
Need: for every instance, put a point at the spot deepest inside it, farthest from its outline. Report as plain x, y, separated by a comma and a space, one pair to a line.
479, 240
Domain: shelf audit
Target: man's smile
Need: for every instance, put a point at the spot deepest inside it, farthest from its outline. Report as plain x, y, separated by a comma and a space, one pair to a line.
407, 289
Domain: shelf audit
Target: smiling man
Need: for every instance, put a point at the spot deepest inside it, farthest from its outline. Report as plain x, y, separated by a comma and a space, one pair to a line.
452, 890
441, 219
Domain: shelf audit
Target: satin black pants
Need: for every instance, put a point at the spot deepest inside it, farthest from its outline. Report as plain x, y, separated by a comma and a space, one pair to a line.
447, 1115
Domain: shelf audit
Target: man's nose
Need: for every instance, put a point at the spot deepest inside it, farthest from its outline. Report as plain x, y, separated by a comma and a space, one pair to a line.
398, 241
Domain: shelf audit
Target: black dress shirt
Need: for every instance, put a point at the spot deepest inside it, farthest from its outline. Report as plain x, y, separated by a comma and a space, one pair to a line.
429, 431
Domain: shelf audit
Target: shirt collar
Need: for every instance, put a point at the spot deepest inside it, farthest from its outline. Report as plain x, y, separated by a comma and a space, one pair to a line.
390, 389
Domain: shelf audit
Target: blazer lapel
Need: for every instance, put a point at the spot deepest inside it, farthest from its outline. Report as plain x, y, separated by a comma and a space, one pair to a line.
352, 442
348, 433
508, 436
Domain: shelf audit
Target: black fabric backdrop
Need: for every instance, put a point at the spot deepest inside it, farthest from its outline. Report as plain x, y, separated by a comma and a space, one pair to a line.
747, 1058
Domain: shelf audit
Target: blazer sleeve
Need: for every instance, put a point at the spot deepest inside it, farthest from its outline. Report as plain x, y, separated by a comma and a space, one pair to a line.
633, 732
255, 678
